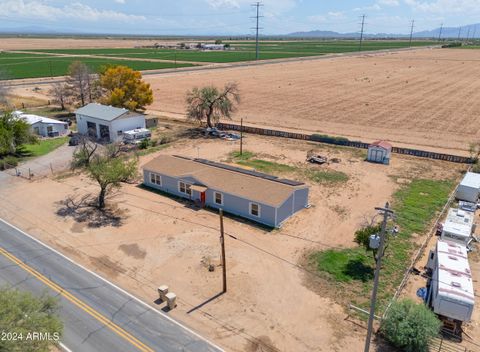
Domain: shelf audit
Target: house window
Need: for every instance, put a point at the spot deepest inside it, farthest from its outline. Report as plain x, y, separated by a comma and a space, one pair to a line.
218, 198
156, 179
254, 209
119, 133
185, 188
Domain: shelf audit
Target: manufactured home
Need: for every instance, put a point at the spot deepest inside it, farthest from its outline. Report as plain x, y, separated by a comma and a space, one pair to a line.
379, 152
459, 226
43, 126
263, 198
469, 189
107, 123
450, 288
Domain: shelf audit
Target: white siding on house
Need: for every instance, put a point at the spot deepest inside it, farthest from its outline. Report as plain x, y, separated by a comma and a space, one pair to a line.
115, 126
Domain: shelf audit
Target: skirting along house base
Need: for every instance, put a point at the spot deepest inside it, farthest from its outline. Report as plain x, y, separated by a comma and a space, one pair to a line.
263, 198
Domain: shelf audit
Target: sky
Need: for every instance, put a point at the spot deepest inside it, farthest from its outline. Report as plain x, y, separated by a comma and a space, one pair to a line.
233, 17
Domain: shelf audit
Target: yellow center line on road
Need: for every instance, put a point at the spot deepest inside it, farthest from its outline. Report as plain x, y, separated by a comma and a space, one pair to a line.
114, 327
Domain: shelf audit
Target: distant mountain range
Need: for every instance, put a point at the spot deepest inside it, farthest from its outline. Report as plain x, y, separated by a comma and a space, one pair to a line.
469, 31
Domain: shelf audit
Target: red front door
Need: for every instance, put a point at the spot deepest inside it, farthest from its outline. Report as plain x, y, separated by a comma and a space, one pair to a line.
202, 197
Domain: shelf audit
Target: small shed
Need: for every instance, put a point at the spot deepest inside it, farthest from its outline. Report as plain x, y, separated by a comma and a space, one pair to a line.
469, 188
379, 152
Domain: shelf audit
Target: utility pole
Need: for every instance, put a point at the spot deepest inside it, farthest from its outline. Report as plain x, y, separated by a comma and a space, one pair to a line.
468, 33
459, 31
411, 33
241, 136
440, 34
474, 32
222, 243
257, 5
361, 33
386, 212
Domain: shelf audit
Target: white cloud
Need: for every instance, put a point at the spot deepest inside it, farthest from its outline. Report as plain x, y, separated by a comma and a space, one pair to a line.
120, 1
270, 8
389, 2
445, 6
327, 18
38, 9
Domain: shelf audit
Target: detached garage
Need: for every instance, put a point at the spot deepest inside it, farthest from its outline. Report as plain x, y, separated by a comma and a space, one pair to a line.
379, 152
469, 188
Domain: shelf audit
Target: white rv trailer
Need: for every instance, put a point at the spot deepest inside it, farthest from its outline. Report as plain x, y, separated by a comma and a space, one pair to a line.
469, 188
136, 136
458, 226
450, 288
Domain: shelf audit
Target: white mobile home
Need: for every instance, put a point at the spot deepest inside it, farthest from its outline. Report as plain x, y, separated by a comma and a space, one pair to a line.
458, 226
43, 126
469, 188
107, 123
450, 288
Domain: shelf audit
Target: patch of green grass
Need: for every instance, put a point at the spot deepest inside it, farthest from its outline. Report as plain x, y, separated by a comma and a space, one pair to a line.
43, 147
31, 67
415, 206
345, 265
266, 166
326, 176
246, 155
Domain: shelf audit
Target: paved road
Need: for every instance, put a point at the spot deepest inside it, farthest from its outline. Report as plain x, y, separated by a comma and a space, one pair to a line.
97, 315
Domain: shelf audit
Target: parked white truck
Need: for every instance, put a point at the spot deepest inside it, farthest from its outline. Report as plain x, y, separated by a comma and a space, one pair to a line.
450, 289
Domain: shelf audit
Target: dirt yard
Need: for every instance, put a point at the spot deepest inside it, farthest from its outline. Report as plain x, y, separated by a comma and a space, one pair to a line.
147, 239
428, 97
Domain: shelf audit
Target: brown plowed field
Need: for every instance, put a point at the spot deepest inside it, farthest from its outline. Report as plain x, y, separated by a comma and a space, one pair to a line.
428, 98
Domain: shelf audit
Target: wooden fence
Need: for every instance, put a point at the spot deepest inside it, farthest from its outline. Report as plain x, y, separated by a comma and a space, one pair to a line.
344, 142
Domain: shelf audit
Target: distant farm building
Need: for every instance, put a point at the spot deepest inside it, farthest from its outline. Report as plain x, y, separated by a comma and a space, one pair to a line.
107, 123
43, 126
259, 197
379, 152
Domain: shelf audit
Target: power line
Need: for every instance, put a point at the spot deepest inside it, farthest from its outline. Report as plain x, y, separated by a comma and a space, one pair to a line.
257, 6
411, 33
361, 33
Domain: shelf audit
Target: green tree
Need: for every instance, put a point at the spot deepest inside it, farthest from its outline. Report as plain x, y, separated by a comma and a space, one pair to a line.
22, 313
125, 88
362, 237
110, 172
218, 41
14, 132
410, 326
84, 152
211, 104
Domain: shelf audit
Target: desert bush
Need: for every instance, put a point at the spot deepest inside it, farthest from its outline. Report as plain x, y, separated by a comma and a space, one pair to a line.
329, 139
410, 326
144, 144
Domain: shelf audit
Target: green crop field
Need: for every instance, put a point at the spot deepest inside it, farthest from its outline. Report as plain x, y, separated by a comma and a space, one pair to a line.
245, 51
33, 66
27, 65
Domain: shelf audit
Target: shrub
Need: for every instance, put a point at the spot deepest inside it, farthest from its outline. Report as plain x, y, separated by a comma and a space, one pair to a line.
144, 144
329, 139
165, 140
410, 326
8, 162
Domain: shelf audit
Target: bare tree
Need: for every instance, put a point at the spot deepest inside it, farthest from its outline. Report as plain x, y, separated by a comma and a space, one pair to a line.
3, 88
81, 82
61, 94
84, 152
210, 104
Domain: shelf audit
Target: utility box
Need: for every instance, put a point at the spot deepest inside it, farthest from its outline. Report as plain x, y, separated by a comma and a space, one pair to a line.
374, 241
171, 300
162, 292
